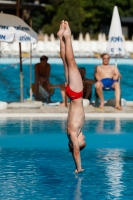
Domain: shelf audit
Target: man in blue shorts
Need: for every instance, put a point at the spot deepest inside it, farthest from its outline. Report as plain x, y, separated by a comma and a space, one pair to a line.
107, 77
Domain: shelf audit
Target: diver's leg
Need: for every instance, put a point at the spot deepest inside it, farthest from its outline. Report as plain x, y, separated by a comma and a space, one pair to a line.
74, 76
62, 47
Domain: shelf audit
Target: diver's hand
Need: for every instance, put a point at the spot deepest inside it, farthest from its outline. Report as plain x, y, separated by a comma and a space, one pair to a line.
78, 171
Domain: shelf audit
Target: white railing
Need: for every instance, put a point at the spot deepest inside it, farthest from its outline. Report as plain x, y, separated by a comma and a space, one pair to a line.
81, 47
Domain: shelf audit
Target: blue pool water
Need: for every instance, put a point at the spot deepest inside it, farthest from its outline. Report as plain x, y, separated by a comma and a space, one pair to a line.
35, 162
10, 79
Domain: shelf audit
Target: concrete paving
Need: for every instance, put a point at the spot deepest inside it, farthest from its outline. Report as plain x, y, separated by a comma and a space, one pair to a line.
36, 109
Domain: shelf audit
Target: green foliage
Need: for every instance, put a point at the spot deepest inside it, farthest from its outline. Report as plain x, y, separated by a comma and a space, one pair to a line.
84, 16
71, 11
37, 19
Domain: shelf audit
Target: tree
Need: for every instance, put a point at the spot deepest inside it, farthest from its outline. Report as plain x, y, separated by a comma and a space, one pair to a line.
92, 16
71, 11
98, 14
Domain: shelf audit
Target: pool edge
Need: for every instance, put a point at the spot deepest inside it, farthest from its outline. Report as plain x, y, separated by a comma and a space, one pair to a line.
64, 115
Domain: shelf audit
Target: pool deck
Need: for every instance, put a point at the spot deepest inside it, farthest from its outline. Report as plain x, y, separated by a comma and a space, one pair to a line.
37, 110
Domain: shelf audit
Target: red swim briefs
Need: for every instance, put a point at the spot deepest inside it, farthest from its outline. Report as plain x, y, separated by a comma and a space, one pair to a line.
73, 95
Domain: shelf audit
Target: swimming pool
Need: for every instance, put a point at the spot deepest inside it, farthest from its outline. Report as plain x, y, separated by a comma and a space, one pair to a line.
36, 163
9, 76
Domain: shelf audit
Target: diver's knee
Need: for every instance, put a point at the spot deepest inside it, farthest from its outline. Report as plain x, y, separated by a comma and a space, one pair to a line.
72, 62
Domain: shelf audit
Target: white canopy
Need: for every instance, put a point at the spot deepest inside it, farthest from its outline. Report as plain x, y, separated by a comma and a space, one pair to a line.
115, 44
14, 28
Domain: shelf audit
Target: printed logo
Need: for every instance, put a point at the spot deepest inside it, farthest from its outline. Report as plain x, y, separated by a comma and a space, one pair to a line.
112, 49
119, 49
24, 38
116, 39
22, 28
4, 27
2, 37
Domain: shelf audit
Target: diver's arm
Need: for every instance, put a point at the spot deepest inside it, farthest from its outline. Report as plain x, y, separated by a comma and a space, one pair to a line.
76, 154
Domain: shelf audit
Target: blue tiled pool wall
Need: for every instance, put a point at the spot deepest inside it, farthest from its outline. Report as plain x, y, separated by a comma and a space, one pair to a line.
42, 126
51, 134
10, 79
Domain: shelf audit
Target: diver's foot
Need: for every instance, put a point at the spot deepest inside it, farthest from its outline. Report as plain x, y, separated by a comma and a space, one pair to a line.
67, 31
61, 29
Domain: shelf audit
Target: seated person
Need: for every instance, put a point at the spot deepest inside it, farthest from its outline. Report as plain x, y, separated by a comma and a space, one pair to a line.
107, 77
87, 87
42, 73
87, 84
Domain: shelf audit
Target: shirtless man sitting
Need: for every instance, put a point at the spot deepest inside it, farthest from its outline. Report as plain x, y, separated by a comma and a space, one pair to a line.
74, 90
42, 73
107, 76
87, 84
